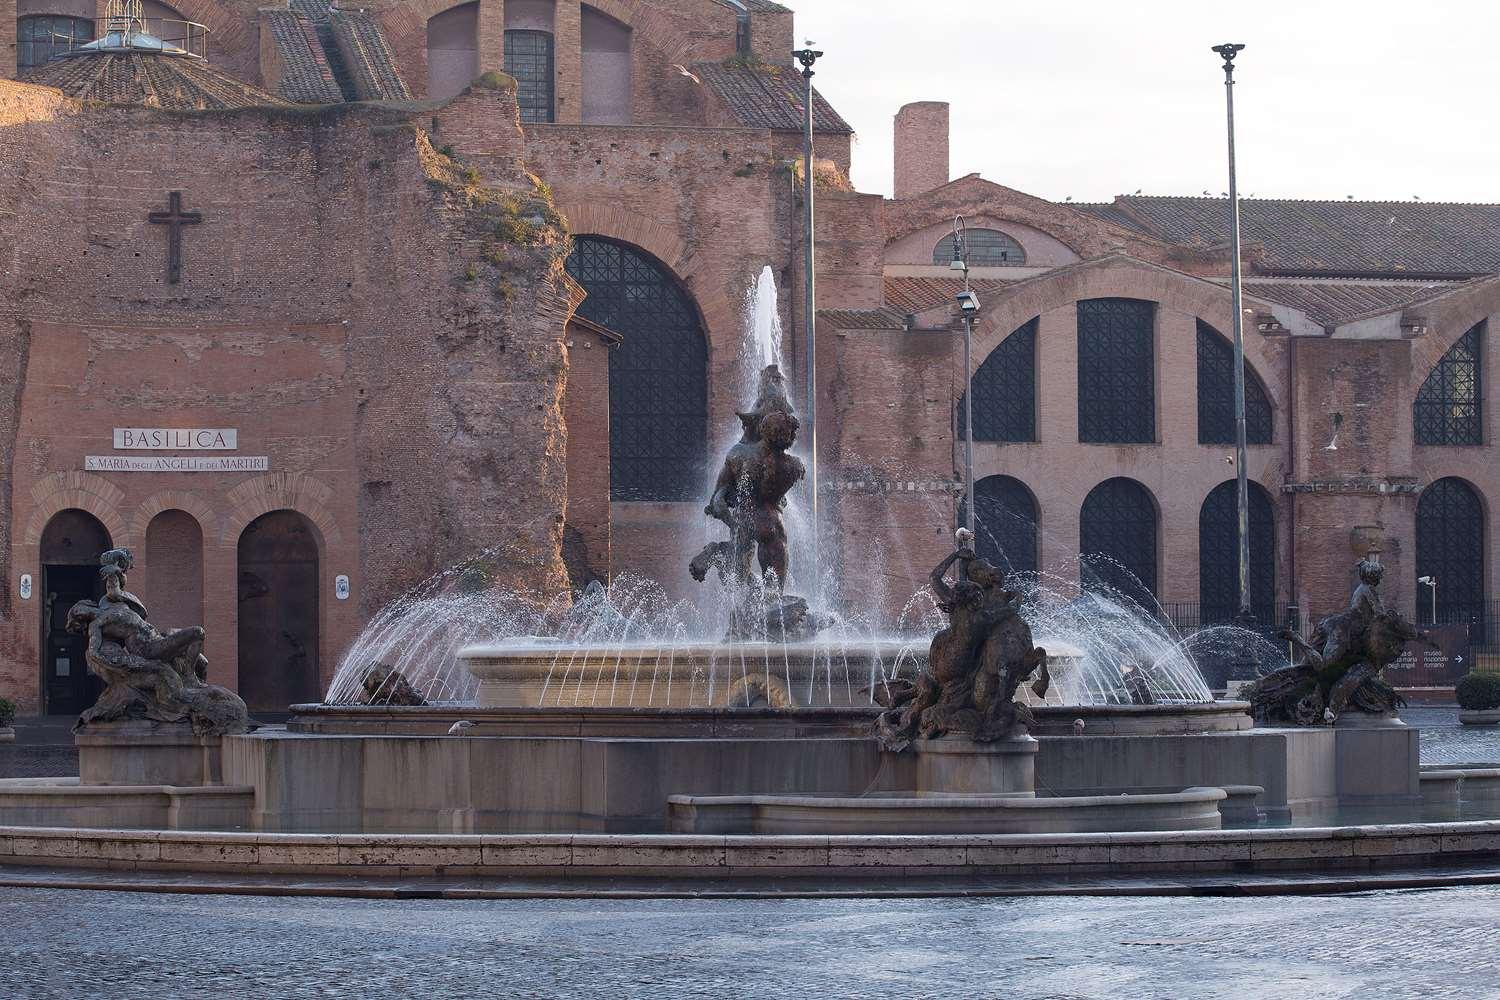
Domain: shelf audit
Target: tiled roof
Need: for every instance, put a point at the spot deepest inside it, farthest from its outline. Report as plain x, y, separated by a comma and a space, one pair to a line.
914, 295
367, 57
770, 97
1332, 303
1422, 239
863, 319
759, 6
306, 77
309, 8
179, 83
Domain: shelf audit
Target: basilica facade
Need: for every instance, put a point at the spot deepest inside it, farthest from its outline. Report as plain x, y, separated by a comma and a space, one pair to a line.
305, 305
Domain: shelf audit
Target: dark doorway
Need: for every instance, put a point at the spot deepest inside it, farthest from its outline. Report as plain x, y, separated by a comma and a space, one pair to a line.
69, 560
278, 612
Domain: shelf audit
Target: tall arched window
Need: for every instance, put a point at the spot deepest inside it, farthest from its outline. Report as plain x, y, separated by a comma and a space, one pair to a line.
1448, 409
1116, 371
1005, 390
40, 37
1216, 393
983, 248
528, 58
658, 391
1005, 523
1450, 549
1219, 555
1117, 541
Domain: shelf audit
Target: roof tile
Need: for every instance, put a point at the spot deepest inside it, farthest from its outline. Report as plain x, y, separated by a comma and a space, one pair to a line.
770, 97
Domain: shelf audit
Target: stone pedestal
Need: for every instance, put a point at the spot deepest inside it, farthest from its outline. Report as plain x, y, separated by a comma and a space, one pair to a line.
147, 753
957, 765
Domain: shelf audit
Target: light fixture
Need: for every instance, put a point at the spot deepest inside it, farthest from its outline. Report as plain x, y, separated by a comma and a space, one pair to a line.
968, 302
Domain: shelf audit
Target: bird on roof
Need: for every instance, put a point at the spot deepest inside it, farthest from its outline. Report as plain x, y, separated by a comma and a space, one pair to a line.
460, 728
683, 70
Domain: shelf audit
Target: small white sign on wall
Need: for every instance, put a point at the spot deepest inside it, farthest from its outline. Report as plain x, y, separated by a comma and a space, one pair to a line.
25, 586
177, 438
341, 587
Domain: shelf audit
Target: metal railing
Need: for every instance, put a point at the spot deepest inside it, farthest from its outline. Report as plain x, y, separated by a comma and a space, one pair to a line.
189, 36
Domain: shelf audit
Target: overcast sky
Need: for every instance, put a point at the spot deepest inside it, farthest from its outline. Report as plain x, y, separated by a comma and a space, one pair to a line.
1092, 99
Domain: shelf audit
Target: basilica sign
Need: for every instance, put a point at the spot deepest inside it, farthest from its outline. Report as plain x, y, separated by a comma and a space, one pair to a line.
176, 438
176, 463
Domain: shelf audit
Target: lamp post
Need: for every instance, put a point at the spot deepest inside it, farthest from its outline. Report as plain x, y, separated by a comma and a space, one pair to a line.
1242, 483
807, 57
968, 304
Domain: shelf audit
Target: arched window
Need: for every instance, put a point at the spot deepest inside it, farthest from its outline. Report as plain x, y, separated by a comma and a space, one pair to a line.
528, 58
1448, 406
1216, 393
1005, 523
40, 37
1117, 541
984, 248
1005, 390
1450, 549
658, 391
1116, 371
1219, 555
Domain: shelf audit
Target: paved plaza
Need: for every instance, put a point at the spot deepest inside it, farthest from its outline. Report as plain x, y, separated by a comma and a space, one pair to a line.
1420, 944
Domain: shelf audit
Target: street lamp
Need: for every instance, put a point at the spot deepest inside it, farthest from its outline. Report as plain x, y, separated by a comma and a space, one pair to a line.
1431, 582
1242, 484
807, 57
968, 305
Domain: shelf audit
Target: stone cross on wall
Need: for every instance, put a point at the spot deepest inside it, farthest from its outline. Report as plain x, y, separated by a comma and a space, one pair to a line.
174, 218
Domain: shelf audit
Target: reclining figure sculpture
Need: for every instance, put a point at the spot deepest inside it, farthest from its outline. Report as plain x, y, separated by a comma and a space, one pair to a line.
974, 666
148, 674
1341, 662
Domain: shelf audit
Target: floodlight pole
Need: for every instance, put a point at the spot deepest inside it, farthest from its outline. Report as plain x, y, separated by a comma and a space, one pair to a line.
1242, 483
961, 263
807, 57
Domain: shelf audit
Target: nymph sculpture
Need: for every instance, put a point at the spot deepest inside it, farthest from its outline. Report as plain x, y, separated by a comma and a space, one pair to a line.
1341, 662
974, 666
148, 674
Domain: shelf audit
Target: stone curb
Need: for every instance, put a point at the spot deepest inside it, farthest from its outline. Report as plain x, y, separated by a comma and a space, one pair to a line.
697, 856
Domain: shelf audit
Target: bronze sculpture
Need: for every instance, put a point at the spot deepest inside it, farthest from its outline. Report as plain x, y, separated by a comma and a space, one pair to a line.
148, 674
974, 666
1341, 662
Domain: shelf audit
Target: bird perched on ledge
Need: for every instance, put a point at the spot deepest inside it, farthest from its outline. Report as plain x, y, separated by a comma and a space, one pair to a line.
460, 728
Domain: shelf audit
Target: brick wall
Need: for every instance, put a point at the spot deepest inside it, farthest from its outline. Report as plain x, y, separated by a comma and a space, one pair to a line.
921, 148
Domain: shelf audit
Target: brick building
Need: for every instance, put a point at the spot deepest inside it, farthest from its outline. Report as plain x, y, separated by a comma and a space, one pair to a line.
310, 304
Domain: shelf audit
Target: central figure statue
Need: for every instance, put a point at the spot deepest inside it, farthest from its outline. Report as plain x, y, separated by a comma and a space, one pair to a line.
749, 497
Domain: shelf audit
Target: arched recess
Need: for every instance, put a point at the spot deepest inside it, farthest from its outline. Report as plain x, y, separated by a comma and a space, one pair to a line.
1219, 555
1005, 390
278, 611
68, 558
1005, 523
452, 50
172, 587
658, 377
982, 248
606, 68
1117, 532
1216, 393
1449, 408
1451, 550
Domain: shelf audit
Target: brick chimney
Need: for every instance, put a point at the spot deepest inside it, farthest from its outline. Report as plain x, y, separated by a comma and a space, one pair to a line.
921, 148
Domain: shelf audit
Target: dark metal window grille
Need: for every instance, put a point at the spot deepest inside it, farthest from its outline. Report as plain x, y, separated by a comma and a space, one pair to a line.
39, 39
658, 388
1219, 555
1450, 548
983, 248
1117, 539
1448, 406
1005, 391
1005, 523
1116, 371
528, 58
1216, 393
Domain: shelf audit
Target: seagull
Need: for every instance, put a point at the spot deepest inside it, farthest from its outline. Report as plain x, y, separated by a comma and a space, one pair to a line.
1139, 190
1078, 727
460, 728
687, 73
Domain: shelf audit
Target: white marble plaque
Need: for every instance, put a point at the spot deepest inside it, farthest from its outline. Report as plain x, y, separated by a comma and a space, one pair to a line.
176, 463
176, 438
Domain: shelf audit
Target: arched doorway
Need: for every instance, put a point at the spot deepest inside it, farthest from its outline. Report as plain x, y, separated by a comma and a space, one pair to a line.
1219, 555
1450, 551
1117, 540
69, 559
278, 612
1005, 523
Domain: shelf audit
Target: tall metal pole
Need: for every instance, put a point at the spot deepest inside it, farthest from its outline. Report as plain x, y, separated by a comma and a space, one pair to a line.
961, 257
807, 57
1242, 482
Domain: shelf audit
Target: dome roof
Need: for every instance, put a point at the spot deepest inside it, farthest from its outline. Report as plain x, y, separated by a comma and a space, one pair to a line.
149, 78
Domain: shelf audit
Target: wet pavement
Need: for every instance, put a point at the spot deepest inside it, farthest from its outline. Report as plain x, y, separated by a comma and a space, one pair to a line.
1419, 944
